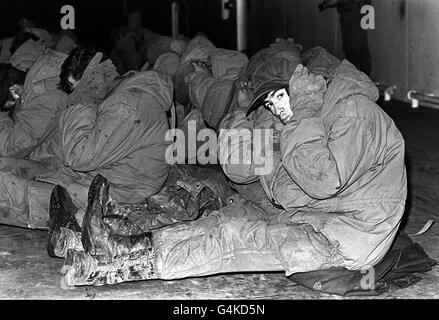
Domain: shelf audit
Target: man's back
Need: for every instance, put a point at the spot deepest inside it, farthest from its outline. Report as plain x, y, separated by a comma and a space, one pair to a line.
123, 137
36, 116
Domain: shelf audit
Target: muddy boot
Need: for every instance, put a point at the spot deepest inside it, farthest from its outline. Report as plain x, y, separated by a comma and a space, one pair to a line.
98, 237
109, 257
82, 269
64, 231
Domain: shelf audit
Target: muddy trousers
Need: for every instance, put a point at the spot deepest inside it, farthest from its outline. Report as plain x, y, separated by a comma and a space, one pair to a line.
236, 238
23, 202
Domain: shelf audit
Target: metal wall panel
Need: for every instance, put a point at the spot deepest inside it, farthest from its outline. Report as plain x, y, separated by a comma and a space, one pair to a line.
388, 44
423, 46
310, 27
404, 44
266, 21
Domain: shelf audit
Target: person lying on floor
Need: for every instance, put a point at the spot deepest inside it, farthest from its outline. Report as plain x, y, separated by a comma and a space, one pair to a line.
339, 174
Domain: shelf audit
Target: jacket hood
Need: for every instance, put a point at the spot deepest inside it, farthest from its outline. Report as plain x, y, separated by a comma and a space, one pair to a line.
346, 81
266, 54
199, 48
156, 84
227, 62
167, 63
47, 67
319, 61
26, 55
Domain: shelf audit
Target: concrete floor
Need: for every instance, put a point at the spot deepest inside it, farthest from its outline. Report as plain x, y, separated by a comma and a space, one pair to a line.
26, 272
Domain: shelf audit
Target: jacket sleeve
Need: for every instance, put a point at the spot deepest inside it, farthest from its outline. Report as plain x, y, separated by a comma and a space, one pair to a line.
199, 84
322, 162
235, 148
32, 125
96, 136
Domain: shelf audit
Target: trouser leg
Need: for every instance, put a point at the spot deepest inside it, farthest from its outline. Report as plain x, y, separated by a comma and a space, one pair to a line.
23, 202
234, 239
362, 235
255, 192
182, 199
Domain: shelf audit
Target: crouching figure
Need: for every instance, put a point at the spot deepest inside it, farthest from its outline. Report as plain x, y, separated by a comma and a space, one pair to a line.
338, 173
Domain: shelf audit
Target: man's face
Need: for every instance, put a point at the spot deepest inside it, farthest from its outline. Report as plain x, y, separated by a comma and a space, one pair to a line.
72, 82
278, 102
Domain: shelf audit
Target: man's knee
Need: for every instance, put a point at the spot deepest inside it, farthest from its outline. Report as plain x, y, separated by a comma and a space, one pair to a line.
301, 248
24, 202
239, 207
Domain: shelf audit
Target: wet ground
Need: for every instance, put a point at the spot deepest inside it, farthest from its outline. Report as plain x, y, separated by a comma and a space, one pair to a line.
26, 272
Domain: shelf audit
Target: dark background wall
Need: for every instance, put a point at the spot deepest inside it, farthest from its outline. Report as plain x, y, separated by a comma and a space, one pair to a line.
94, 18
404, 45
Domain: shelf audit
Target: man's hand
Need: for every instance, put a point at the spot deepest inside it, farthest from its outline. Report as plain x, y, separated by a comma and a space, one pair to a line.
320, 61
9, 105
306, 93
287, 44
199, 67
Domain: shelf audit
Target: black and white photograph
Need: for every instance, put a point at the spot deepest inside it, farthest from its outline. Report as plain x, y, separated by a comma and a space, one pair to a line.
220, 157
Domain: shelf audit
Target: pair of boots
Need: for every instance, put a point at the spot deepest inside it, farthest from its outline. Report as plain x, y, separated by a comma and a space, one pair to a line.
108, 249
